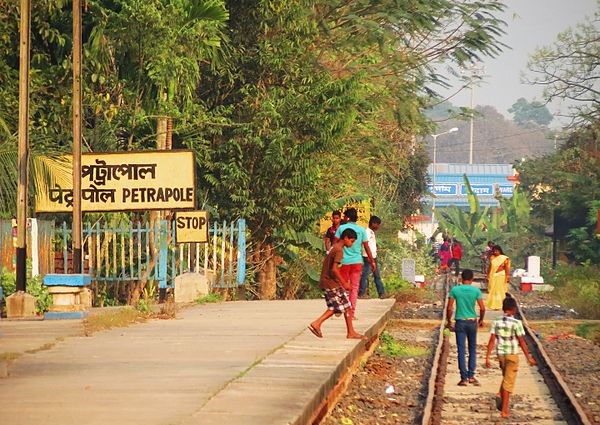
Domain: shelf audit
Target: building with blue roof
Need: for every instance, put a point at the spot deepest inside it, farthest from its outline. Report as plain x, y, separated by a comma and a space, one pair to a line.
484, 179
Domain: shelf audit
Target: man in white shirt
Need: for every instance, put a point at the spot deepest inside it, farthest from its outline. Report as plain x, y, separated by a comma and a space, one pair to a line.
374, 224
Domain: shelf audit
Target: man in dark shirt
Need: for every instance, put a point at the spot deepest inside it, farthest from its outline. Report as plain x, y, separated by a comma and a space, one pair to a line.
336, 221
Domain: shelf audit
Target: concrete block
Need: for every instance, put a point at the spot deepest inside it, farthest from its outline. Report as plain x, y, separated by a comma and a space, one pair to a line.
20, 305
532, 280
533, 266
85, 298
190, 286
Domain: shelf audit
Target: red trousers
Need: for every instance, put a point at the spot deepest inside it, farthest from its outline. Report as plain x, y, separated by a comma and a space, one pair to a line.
352, 272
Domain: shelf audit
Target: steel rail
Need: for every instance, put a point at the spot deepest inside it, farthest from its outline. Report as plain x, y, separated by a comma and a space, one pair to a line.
572, 411
435, 386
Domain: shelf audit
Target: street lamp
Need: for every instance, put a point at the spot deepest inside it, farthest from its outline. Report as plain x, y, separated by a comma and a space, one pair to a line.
435, 136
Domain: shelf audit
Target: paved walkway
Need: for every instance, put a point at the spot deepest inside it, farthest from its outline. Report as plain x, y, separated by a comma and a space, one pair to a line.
227, 363
531, 402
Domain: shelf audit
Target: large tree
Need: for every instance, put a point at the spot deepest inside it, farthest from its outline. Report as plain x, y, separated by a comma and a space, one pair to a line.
570, 70
530, 114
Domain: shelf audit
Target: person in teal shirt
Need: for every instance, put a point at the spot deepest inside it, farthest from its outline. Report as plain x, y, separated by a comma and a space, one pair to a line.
352, 262
466, 296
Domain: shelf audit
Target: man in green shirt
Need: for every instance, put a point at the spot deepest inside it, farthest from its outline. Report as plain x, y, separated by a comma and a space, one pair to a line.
465, 329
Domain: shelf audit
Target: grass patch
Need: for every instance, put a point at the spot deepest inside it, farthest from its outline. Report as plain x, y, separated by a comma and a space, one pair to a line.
415, 295
113, 319
391, 347
589, 331
578, 287
210, 298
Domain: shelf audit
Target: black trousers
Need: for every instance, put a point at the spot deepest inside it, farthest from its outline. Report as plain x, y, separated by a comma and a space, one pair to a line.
454, 261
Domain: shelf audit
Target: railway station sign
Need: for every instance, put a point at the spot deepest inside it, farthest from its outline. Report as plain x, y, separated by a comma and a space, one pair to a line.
191, 226
478, 189
124, 181
443, 189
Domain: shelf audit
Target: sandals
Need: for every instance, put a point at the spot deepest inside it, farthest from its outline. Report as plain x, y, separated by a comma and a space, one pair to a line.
498, 401
462, 383
475, 382
316, 332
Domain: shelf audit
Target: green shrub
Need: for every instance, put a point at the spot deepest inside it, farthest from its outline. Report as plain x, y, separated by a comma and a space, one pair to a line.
578, 287
210, 298
394, 283
43, 299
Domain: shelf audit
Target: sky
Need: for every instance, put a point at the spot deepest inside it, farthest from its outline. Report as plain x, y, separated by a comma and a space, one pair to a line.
530, 24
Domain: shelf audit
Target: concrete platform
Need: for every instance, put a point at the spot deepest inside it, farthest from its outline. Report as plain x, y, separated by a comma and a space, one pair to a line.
227, 363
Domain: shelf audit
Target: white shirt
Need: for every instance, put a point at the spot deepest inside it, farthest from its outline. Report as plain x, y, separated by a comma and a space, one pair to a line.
372, 243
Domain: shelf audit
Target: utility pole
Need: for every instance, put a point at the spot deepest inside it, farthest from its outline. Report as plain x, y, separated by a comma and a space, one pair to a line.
471, 126
475, 70
23, 161
76, 137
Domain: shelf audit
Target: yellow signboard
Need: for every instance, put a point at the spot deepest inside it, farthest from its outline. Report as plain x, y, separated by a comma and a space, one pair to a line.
191, 226
364, 214
125, 181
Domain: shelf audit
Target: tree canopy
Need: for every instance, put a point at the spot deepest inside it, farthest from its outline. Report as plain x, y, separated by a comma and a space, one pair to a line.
570, 71
529, 114
289, 105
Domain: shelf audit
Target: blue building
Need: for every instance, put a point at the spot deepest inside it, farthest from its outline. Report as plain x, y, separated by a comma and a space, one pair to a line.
484, 179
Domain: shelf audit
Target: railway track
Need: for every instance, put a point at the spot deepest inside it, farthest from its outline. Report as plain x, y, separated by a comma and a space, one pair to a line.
541, 394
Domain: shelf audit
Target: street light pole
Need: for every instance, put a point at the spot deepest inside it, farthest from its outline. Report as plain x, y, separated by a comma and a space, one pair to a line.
435, 136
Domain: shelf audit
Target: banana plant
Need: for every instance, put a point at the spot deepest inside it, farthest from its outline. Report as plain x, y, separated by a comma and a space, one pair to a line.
480, 224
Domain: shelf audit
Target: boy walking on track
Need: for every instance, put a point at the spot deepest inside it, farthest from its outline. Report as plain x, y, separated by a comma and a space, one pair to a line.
335, 286
465, 329
509, 333
353, 261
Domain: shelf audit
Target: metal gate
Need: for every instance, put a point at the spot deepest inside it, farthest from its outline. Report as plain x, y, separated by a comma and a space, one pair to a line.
129, 252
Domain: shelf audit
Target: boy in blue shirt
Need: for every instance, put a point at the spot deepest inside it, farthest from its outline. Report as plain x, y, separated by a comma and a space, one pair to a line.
352, 262
465, 328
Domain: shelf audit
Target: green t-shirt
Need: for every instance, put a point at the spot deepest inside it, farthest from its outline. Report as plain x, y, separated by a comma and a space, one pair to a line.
353, 255
466, 297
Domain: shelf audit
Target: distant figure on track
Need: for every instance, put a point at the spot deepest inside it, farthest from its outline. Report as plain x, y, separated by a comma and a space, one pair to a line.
456, 254
445, 255
335, 287
498, 276
509, 332
465, 328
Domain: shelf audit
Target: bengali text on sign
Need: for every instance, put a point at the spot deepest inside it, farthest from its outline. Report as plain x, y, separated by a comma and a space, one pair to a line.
125, 181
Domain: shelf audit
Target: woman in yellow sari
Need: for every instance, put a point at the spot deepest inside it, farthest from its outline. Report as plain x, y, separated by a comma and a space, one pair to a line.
498, 277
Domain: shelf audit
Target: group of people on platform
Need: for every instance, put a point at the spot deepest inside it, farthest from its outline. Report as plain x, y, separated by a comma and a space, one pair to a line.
351, 258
